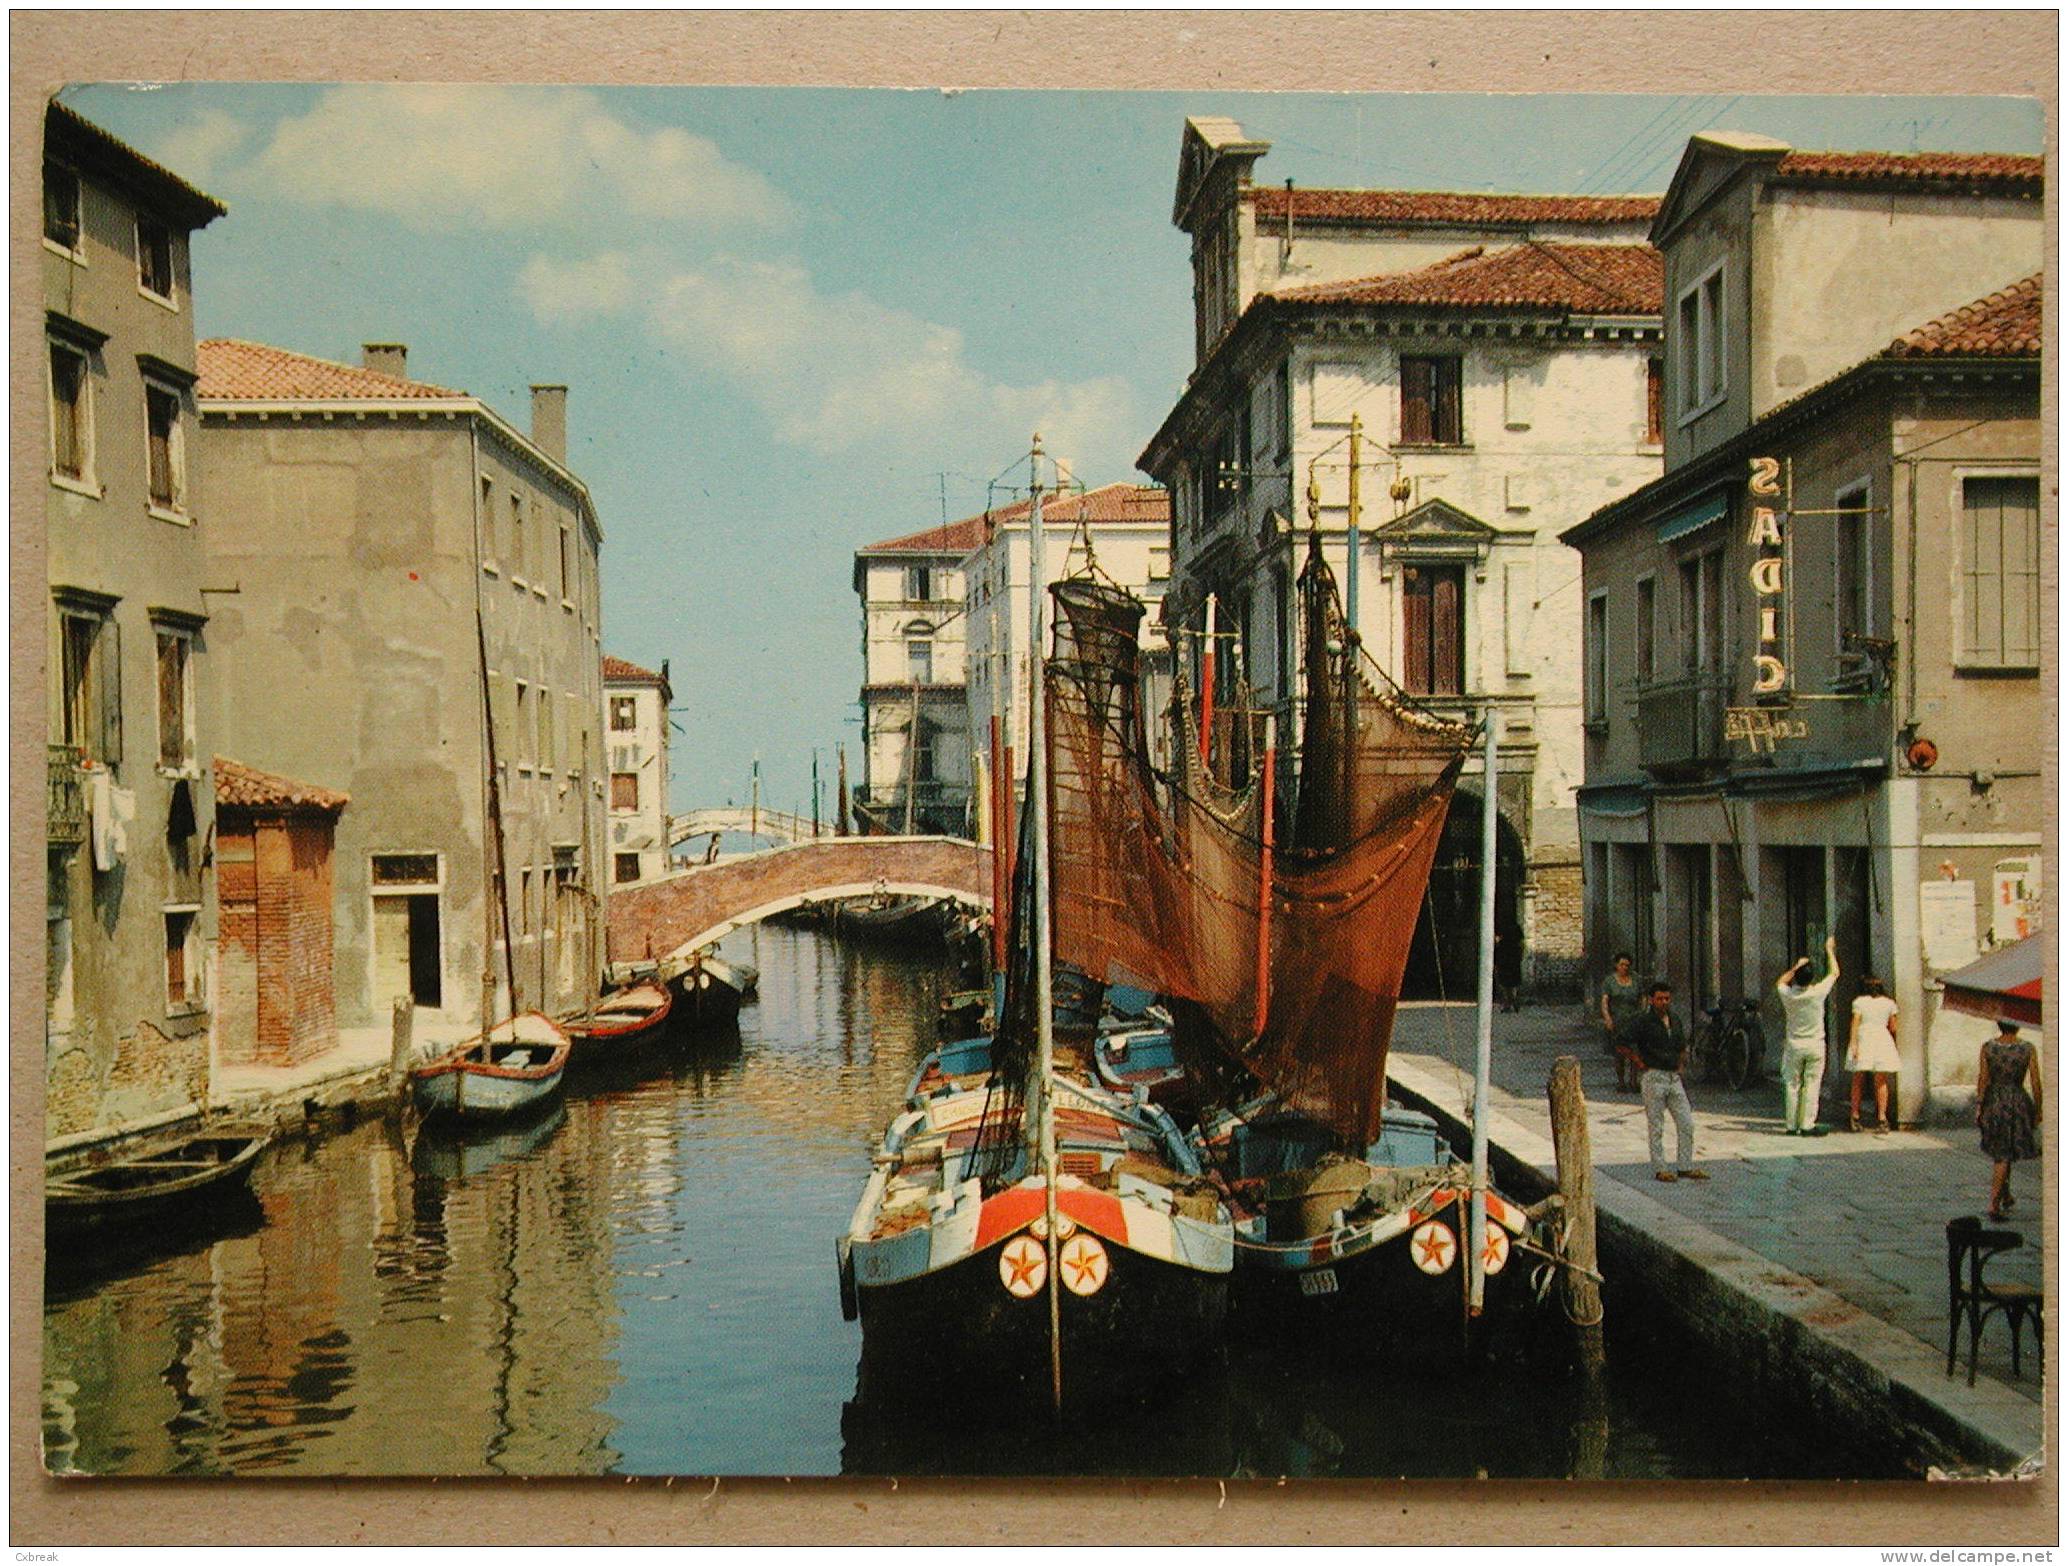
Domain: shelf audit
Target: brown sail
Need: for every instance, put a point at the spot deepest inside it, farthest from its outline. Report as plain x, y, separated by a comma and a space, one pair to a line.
1159, 878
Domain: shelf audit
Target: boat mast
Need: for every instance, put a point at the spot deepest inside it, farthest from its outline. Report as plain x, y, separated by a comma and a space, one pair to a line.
1482, 1070
1044, 976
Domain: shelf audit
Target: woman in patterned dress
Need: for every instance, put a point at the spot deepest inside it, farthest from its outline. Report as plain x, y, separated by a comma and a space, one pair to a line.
2007, 1114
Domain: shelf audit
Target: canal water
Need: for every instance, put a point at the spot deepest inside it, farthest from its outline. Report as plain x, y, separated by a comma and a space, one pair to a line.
644, 1284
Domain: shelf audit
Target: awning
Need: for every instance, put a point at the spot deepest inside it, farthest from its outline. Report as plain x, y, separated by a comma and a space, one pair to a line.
1712, 508
2010, 982
1613, 799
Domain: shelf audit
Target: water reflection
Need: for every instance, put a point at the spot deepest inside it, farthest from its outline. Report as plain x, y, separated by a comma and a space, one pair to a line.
642, 1282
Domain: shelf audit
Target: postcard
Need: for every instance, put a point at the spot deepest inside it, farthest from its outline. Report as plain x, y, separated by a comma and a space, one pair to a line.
785, 782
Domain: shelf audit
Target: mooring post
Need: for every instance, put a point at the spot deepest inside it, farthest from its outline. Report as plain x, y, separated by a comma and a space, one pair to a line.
399, 1041
1575, 1154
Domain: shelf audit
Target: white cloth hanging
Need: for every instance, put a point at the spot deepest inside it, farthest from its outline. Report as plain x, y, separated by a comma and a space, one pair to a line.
111, 810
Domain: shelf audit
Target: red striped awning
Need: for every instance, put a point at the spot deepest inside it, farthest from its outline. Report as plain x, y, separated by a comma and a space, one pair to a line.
2009, 982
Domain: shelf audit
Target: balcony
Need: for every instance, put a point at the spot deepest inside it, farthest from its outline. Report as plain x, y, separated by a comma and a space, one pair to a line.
1680, 724
65, 801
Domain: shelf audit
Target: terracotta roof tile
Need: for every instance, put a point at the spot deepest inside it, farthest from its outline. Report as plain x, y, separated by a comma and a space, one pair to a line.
1456, 207
1108, 503
2002, 325
241, 371
1584, 279
2007, 173
239, 785
620, 669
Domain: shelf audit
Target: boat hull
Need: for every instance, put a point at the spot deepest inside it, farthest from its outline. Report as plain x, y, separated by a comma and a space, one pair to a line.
75, 1201
957, 1333
443, 1095
1375, 1292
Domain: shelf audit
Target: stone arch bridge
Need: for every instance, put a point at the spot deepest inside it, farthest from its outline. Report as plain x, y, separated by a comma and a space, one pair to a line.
781, 826
689, 909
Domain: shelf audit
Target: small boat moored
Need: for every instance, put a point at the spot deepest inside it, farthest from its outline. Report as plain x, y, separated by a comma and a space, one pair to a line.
517, 1067
708, 989
149, 1184
618, 1021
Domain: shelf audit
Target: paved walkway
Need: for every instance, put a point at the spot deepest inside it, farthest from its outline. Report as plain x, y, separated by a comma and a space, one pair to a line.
337, 1074
1861, 1215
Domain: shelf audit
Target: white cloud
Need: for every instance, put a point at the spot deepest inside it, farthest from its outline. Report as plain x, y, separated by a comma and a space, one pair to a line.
562, 293
200, 148
839, 372
507, 157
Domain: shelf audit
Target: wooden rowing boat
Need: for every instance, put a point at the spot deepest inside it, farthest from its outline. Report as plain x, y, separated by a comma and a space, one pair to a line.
149, 1184
516, 1067
621, 1020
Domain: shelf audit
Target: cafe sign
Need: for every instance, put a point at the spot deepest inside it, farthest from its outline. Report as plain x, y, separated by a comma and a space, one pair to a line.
1769, 576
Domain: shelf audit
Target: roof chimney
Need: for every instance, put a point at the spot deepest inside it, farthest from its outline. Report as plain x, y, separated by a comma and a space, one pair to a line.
549, 421
385, 358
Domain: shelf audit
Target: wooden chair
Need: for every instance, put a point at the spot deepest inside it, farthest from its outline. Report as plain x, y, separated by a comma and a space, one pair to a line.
1969, 1247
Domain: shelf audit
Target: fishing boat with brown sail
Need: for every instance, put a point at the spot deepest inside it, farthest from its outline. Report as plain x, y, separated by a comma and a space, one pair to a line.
1028, 1241
1275, 923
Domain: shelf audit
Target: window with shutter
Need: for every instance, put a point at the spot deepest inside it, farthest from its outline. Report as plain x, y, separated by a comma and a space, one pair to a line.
69, 422
154, 258
1433, 630
175, 700
61, 207
2000, 573
163, 459
1430, 401
624, 791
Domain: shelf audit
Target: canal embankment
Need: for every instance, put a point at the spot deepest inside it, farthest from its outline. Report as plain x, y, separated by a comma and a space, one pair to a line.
1814, 1268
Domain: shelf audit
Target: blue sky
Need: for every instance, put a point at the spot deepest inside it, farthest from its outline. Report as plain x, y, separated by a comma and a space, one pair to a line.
792, 318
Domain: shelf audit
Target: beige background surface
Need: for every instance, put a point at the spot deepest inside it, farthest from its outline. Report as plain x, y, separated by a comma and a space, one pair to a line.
1743, 52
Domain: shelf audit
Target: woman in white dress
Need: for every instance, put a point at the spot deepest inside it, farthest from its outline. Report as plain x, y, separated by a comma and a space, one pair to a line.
1872, 1050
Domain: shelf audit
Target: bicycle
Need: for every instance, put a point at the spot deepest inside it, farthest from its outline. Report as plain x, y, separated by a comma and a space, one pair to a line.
1730, 1047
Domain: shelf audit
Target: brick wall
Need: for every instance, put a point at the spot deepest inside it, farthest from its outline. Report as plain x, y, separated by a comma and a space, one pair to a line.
1557, 944
236, 890
273, 884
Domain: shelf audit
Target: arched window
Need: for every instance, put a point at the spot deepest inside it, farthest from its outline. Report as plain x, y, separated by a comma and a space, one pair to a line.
919, 652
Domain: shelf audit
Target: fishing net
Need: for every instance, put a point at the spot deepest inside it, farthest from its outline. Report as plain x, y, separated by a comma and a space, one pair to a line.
1158, 879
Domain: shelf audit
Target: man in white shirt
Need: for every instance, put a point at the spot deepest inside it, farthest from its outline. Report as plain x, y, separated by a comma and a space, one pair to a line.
1802, 1052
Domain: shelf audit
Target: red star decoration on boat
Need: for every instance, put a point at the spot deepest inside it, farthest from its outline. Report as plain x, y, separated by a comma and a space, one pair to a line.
1436, 1247
1023, 1266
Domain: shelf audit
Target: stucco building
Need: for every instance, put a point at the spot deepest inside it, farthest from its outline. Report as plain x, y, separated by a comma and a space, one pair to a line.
635, 725
1495, 362
915, 716
130, 902
1127, 529
1813, 647
397, 548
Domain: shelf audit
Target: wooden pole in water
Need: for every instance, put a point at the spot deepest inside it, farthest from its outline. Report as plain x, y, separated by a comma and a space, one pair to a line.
1482, 1074
1573, 1145
1044, 977
399, 1041
840, 824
